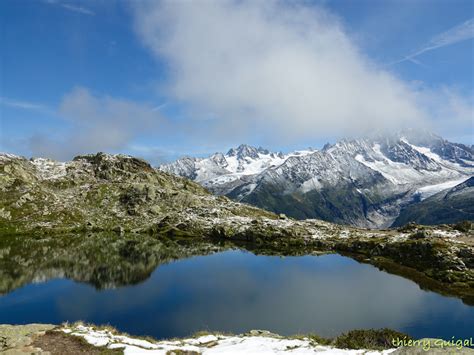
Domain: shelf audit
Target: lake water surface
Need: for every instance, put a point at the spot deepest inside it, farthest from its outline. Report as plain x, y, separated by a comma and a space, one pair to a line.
236, 291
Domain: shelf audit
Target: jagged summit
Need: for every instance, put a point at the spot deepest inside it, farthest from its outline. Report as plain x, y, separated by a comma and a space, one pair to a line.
238, 163
243, 151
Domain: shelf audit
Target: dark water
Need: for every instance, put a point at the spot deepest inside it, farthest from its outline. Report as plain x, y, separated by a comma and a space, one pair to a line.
236, 291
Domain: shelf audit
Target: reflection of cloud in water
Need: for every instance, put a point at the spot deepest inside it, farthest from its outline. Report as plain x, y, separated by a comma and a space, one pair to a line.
236, 291
298, 295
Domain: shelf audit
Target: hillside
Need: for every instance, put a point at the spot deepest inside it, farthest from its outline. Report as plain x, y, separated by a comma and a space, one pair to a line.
105, 192
448, 206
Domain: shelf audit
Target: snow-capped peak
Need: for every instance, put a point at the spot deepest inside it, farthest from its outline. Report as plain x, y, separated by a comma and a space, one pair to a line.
243, 151
237, 163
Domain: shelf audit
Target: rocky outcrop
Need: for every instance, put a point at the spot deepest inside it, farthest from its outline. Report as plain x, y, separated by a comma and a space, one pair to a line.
18, 339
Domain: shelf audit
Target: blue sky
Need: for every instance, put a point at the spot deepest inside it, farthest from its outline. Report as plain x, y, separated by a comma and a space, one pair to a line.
161, 80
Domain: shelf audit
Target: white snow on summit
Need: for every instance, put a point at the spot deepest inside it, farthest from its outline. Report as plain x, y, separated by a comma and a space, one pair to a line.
236, 164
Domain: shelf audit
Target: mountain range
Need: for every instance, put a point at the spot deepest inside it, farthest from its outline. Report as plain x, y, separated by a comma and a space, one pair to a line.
371, 182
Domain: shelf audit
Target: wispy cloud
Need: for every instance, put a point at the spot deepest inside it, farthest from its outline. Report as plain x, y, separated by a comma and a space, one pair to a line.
459, 33
25, 105
74, 8
97, 124
160, 106
79, 9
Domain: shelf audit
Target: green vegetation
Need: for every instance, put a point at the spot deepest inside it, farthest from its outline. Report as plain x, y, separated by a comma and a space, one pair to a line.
369, 339
339, 205
420, 234
464, 226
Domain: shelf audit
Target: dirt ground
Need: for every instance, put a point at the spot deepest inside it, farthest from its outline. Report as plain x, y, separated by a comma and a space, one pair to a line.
58, 343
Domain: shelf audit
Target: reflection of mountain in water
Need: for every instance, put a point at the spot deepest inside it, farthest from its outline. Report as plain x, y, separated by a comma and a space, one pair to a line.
109, 260
103, 260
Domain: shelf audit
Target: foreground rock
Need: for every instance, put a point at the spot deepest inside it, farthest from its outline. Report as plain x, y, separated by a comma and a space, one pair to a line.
124, 195
18, 339
78, 338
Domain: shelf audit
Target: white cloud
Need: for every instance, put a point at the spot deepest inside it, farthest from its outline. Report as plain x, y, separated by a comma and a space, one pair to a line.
97, 124
71, 7
25, 105
459, 33
286, 69
79, 9
453, 113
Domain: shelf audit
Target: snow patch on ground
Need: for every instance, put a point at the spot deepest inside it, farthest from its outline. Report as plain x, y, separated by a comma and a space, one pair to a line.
447, 234
266, 343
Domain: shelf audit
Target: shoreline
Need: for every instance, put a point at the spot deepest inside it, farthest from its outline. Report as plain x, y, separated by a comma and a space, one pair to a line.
53, 339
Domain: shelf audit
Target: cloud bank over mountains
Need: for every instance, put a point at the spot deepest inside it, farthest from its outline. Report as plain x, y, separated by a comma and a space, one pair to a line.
240, 71
286, 68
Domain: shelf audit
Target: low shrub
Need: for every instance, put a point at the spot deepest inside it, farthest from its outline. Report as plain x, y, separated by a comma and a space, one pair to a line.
418, 235
463, 226
374, 339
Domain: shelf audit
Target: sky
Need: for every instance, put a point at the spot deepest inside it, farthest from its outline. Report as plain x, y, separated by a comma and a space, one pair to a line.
163, 79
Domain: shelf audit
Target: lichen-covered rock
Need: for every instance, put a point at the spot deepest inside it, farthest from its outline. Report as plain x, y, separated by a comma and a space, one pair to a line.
17, 339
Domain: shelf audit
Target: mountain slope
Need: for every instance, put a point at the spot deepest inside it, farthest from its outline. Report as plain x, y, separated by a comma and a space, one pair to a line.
363, 182
449, 206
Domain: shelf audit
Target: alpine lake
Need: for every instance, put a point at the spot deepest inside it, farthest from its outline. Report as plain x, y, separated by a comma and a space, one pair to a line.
166, 288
